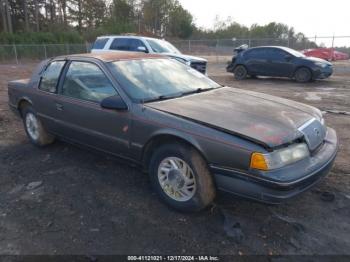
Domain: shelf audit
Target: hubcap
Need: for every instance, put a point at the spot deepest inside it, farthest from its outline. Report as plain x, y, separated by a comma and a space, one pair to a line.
32, 126
176, 178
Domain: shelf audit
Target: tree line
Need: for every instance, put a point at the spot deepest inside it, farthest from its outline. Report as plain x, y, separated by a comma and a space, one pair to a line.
73, 21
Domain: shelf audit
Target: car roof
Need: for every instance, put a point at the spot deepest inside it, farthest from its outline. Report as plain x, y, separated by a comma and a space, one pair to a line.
113, 56
270, 46
129, 36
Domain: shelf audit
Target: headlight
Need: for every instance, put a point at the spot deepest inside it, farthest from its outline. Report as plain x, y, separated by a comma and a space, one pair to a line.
320, 64
279, 158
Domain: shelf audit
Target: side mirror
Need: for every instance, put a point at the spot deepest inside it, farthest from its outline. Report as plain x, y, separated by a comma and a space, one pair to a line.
114, 102
142, 49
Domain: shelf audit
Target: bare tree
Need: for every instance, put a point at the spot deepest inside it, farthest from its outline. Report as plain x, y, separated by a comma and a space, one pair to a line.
8, 15
3, 15
26, 19
36, 11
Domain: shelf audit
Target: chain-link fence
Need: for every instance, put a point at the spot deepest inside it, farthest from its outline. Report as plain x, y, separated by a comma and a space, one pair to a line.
31, 52
216, 49
222, 48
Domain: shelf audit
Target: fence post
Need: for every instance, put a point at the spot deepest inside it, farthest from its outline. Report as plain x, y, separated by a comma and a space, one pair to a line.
217, 51
45, 52
67, 49
15, 52
288, 41
189, 46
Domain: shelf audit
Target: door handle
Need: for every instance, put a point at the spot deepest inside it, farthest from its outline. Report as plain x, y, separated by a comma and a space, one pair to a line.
59, 107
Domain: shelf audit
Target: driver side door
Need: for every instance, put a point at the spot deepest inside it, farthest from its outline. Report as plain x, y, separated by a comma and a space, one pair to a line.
79, 115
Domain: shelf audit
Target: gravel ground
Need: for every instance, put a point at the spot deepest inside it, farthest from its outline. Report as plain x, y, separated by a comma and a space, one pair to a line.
67, 200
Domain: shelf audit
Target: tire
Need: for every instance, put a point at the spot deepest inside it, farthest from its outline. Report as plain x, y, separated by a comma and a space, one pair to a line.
303, 75
35, 130
240, 72
201, 190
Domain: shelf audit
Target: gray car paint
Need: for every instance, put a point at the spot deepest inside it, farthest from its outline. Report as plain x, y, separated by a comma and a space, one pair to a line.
216, 123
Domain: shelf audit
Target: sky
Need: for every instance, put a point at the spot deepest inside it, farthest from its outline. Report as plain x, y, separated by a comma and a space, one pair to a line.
311, 17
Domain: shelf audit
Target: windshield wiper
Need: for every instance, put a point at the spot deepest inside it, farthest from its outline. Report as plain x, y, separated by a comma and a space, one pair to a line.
198, 90
162, 97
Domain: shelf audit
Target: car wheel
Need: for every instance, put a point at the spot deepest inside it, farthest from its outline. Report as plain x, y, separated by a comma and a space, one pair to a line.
303, 75
181, 177
240, 72
35, 129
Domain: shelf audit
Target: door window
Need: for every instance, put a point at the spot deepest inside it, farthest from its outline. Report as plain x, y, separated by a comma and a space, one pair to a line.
86, 81
49, 79
100, 43
135, 43
120, 44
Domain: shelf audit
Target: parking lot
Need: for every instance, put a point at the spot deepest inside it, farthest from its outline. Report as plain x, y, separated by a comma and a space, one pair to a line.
66, 200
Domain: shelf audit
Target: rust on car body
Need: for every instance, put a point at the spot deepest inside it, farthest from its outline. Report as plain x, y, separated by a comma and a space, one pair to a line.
113, 56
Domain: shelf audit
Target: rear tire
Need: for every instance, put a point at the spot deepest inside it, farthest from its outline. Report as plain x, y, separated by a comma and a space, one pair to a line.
303, 75
35, 130
181, 177
240, 72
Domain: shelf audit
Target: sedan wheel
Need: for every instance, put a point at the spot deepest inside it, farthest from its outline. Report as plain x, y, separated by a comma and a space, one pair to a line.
240, 72
181, 177
303, 75
34, 128
176, 178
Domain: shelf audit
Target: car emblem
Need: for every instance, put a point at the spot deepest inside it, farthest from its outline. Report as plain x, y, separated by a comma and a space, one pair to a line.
317, 132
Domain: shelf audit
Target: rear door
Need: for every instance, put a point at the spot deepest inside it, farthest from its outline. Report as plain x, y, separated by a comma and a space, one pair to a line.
257, 61
80, 116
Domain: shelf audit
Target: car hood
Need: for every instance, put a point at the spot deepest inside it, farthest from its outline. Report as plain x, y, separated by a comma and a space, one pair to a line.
267, 120
186, 57
316, 59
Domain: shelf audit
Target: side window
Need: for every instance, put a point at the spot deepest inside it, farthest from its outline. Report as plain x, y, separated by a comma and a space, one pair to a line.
135, 44
86, 81
276, 53
49, 79
120, 44
100, 43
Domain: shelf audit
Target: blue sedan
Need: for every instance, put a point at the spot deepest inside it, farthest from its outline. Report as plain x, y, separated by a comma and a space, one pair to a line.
278, 61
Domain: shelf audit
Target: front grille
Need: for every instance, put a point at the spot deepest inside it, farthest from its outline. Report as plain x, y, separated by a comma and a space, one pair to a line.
199, 66
314, 133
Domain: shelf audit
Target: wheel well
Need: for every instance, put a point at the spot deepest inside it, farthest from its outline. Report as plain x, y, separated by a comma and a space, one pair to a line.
22, 104
159, 140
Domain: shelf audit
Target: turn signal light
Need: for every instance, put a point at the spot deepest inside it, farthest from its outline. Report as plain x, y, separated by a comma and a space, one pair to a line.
258, 161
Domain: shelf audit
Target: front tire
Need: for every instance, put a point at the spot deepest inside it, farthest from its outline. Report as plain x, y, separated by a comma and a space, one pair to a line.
35, 130
303, 75
240, 72
181, 177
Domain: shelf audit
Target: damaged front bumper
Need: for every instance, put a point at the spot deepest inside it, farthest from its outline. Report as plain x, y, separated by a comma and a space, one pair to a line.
275, 186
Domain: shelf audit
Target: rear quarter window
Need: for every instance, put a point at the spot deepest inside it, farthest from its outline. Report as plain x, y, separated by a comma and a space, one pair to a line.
100, 43
50, 76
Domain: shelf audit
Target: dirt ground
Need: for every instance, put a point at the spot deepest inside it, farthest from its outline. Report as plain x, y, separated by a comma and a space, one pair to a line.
67, 200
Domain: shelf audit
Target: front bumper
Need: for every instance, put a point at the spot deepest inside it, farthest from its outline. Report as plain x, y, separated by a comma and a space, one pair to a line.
322, 73
276, 186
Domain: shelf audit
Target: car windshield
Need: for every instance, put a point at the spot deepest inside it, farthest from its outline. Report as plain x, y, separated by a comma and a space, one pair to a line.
148, 80
294, 52
161, 46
